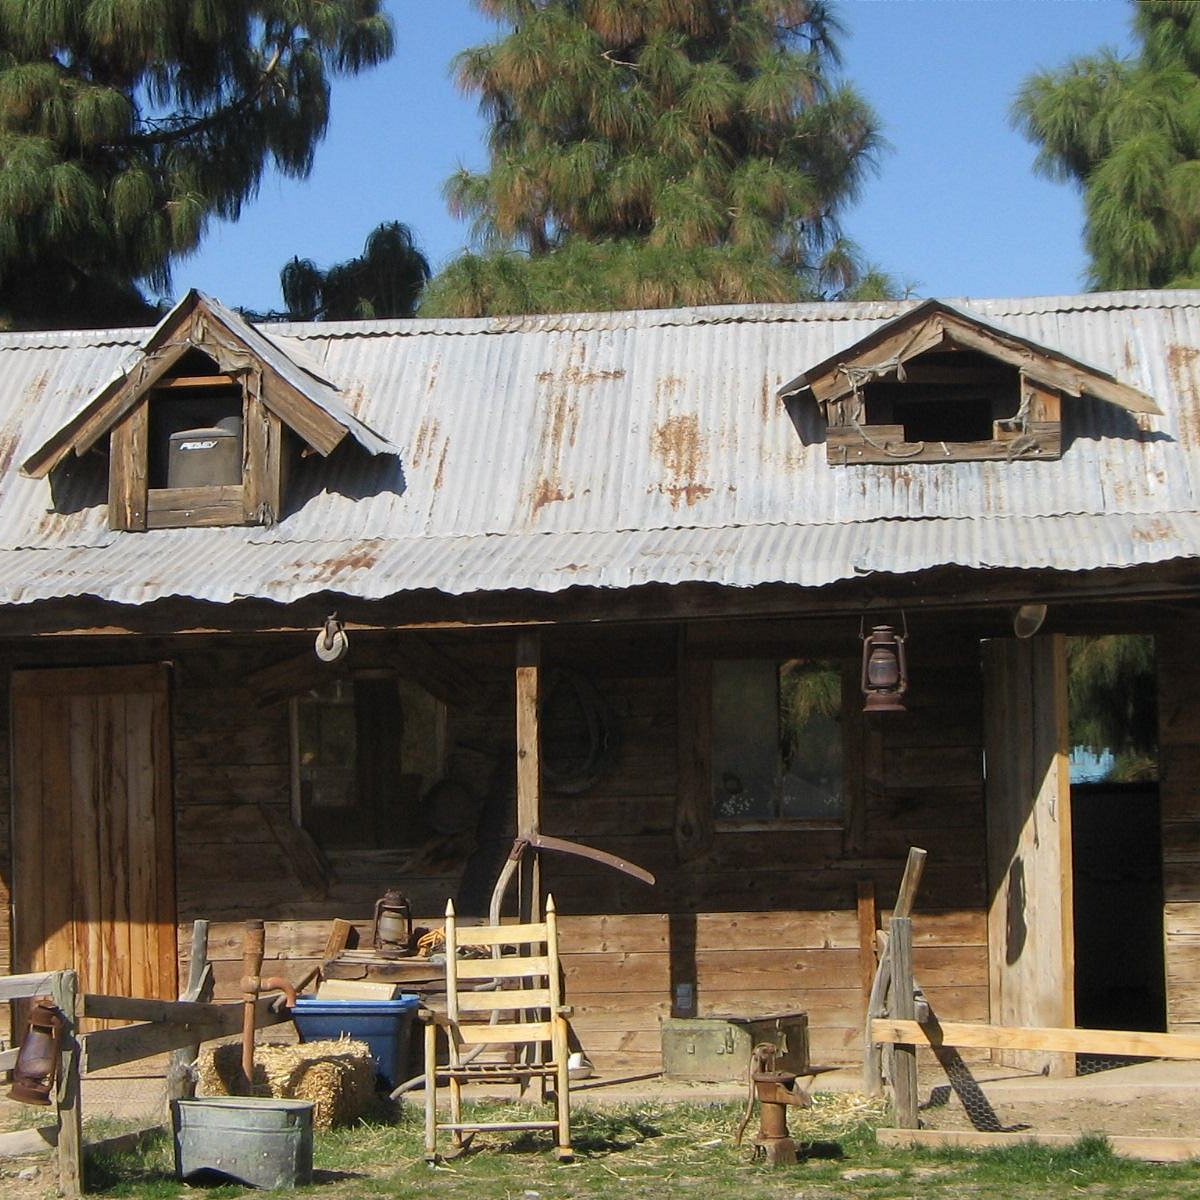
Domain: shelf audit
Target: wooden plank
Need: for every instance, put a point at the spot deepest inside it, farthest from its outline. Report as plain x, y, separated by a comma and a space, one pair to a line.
502, 968
136, 1008
66, 1097
84, 430
28, 1141
28, 986
321, 431
194, 382
1150, 1149
529, 767
904, 1060
127, 470
111, 1047
868, 923
28, 815
1007, 1037
845, 444
1029, 839
188, 508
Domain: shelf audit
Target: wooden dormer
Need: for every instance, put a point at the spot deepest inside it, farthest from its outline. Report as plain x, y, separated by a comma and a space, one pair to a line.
941, 385
201, 427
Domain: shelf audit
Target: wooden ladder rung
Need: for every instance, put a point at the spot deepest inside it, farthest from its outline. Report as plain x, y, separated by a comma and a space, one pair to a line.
475, 1126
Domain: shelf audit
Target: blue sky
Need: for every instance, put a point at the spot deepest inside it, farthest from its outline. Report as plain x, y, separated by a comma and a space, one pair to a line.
955, 210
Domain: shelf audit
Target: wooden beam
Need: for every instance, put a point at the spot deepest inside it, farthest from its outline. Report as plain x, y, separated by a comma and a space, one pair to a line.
529, 766
1150, 1149
904, 1061
868, 923
192, 382
37, 983
1005, 1037
112, 1047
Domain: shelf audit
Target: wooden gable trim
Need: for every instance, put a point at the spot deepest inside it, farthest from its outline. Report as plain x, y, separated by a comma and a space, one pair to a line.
932, 325
196, 327
105, 411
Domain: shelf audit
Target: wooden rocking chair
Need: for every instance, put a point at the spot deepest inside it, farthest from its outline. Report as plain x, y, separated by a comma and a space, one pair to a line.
524, 1011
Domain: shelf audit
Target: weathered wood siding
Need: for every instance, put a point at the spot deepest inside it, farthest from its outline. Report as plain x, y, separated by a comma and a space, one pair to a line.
763, 921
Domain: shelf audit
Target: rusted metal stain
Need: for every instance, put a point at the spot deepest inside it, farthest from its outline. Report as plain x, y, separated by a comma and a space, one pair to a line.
667, 387
679, 445
548, 491
1181, 365
427, 433
576, 373
1156, 531
359, 559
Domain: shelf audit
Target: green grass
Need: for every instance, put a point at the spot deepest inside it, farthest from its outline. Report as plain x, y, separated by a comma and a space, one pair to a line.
644, 1151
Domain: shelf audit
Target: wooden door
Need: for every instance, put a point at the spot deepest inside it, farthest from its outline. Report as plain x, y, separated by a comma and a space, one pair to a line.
93, 834
1030, 934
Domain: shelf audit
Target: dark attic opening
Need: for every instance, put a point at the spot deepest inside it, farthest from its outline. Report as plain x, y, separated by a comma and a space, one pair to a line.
952, 396
195, 437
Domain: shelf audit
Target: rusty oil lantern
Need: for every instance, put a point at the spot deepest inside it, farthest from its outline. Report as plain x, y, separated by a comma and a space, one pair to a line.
393, 923
884, 669
39, 1056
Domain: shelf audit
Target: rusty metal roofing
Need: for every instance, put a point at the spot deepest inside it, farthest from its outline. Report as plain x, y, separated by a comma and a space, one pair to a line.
618, 449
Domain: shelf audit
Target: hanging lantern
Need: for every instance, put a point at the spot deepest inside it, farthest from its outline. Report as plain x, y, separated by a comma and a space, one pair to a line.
884, 670
38, 1058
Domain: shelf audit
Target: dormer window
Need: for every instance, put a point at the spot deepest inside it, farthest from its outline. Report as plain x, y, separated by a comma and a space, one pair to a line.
199, 448
941, 385
945, 406
201, 428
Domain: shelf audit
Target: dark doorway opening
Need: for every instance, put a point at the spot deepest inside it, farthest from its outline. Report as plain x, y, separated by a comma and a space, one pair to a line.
1120, 977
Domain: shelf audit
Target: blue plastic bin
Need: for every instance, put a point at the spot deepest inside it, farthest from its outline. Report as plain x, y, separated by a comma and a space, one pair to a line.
385, 1025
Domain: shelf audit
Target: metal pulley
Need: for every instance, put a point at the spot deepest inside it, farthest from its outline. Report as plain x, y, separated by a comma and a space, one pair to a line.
332, 642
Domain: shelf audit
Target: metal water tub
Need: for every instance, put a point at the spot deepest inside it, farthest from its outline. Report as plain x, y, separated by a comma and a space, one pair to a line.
258, 1141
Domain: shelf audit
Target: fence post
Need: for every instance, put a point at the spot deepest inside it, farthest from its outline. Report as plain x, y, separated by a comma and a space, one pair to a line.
904, 1060
65, 991
181, 1081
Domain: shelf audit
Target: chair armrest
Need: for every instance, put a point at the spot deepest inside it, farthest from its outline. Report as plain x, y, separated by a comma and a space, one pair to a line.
565, 1010
434, 1018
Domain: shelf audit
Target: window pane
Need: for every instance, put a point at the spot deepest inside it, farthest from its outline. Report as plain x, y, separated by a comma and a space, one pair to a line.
745, 759
810, 739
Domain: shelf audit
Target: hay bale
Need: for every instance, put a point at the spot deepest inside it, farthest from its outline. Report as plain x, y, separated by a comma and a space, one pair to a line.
337, 1076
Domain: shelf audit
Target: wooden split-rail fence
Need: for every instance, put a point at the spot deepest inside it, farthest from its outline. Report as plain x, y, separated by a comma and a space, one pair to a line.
175, 1026
901, 1018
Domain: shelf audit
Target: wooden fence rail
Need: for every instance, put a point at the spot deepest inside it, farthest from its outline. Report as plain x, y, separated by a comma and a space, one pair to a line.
176, 1025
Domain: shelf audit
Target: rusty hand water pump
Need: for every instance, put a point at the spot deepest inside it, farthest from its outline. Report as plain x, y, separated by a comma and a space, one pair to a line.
775, 1091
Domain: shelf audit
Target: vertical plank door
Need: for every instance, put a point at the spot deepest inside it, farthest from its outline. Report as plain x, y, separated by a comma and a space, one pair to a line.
93, 831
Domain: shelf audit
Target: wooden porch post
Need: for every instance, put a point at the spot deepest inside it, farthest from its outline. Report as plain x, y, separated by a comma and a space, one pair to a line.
1030, 916
529, 767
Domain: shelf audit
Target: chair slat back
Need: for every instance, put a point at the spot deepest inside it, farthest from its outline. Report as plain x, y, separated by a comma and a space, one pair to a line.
528, 984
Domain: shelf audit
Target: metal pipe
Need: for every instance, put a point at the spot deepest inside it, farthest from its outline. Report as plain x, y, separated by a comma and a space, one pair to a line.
253, 948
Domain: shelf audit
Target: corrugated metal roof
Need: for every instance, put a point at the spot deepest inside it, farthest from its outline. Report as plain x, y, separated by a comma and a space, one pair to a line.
616, 449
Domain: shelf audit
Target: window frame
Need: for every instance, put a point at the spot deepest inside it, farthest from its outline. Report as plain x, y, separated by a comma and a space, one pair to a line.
848, 689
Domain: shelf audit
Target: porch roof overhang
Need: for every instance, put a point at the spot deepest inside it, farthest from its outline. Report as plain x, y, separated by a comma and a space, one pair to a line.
220, 566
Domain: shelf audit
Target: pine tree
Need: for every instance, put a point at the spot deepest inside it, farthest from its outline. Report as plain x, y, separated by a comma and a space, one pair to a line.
1127, 131
658, 152
125, 125
384, 281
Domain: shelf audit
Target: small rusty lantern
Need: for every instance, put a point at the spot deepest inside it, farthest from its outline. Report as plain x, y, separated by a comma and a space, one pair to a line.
39, 1057
884, 670
393, 922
